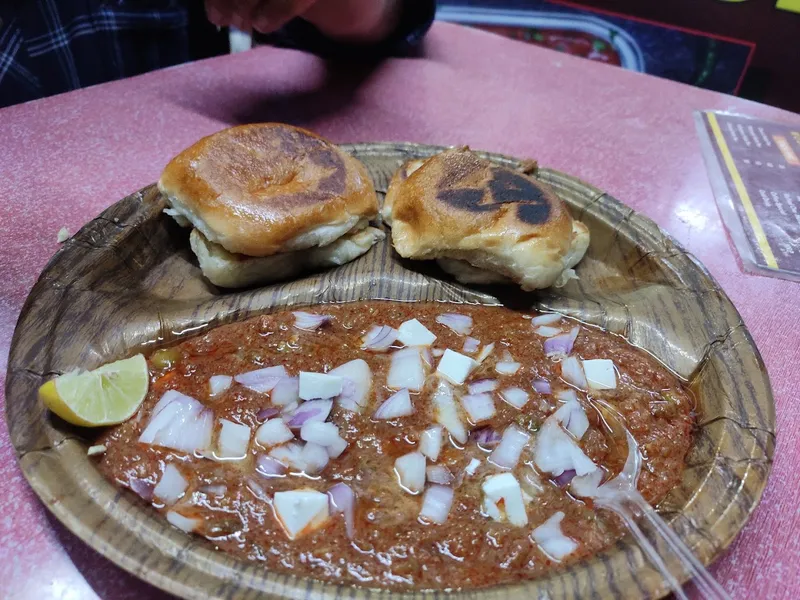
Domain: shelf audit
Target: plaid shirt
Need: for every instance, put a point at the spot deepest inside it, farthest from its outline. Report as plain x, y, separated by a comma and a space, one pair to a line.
53, 46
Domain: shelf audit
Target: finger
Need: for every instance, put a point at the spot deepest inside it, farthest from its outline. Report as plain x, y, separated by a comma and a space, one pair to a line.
271, 15
216, 13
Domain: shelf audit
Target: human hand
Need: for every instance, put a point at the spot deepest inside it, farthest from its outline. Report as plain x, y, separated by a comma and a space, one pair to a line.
264, 16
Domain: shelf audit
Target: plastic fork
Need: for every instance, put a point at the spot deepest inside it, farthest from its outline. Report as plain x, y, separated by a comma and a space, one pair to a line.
621, 496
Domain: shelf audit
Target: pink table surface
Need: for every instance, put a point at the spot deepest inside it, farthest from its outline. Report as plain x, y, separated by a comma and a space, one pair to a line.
65, 159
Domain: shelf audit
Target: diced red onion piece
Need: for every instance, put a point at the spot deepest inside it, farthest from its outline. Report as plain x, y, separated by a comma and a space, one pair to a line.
542, 386
262, 380
507, 453
439, 474
425, 355
507, 368
561, 345
547, 332
406, 370
410, 471
551, 540
397, 405
447, 412
430, 442
256, 488
484, 353
218, 384
214, 489
179, 422
289, 455
323, 434
516, 397
356, 384
486, 437
314, 457
337, 447
437, 352
564, 479
233, 440
436, 504
269, 467
267, 413
185, 524
461, 324
471, 345
482, 385
379, 338
273, 433
572, 372
309, 321
545, 319
342, 500
572, 416
142, 488
556, 451
313, 410
479, 407
286, 391
567, 395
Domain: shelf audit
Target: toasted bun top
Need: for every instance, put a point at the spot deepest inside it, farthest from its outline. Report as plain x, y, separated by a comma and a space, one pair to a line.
268, 188
459, 205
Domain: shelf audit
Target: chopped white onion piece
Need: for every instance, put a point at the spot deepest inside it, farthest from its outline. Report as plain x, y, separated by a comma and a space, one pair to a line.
439, 474
472, 466
555, 451
414, 333
436, 503
319, 386
482, 385
508, 451
586, 486
379, 338
262, 380
95, 450
218, 384
314, 457
516, 397
503, 491
410, 470
455, 367
185, 524
461, 324
214, 490
546, 319
446, 412
171, 487
547, 332
336, 448
323, 434
286, 391
484, 353
430, 442
600, 374
572, 416
289, 455
507, 368
179, 422
479, 407
425, 355
309, 321
551, 540
356, 384
273, 433
397, 405
437, 352
471, 345
300, 511
572, 372
406, 370
233, 440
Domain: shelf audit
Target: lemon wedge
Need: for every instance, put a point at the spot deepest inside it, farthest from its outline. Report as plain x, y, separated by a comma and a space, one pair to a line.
106, 396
